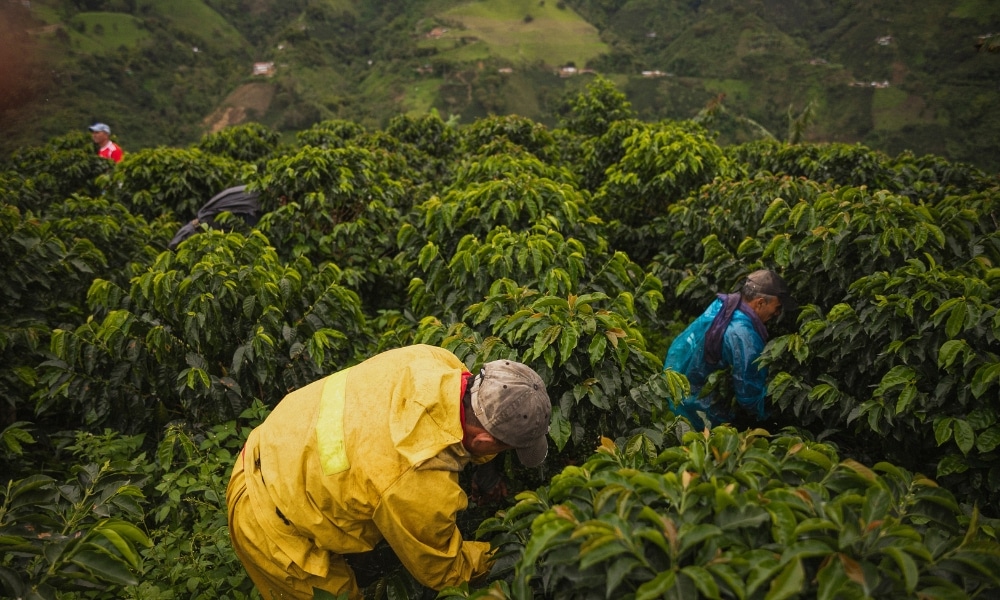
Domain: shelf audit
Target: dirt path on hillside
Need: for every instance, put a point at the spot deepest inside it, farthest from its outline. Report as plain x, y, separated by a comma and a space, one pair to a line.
250, 100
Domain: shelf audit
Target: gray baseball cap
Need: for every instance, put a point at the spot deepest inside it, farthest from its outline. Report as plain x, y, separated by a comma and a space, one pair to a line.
770, 283
510, 400
100, 127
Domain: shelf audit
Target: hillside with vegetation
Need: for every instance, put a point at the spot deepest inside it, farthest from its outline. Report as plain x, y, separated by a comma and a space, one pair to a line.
131, 373
881, 72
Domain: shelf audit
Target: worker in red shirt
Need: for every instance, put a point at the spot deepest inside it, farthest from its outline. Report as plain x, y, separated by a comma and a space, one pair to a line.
101, 134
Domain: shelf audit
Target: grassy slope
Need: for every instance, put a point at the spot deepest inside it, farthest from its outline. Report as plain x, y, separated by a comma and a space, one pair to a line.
532, 37
199, 20
551, 35
104, 32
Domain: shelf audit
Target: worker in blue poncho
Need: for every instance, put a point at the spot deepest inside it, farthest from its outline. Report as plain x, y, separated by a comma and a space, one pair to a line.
729, 334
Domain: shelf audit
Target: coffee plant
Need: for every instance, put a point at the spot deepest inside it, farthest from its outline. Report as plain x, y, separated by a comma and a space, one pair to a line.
131, 373
250, 142
199, 334
660, 165
78, 533
728, 514
173, 181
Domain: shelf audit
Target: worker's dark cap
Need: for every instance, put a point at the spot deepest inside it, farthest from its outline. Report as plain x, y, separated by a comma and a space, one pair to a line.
769, 283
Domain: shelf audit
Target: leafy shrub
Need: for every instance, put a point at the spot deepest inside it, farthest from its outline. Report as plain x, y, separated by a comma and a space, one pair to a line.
548, 298
428, 134
50, 173
75, 535
520, 163
403, 162
587, 348
815, 236
537, 258
335, 184
661, 165
46, 274
727, 212
912, 356
928, 178
249, 142
593, 110
122, 238
934, 178
363, 247
175, 497
843, 164
601, 152
159, 181
339, 206
736, 515
199, 335
519, 131
330, 134
516, 200
430, 147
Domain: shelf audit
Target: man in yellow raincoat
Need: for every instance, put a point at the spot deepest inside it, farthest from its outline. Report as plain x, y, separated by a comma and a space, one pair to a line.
374, 452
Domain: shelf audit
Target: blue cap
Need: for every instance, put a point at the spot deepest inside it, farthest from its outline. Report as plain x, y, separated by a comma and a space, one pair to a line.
100, 127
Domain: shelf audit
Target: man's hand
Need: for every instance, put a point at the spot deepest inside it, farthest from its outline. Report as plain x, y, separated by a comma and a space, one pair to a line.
488, 485
501, 567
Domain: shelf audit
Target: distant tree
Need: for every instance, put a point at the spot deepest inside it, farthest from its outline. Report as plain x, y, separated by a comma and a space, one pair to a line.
797, 125
715, 113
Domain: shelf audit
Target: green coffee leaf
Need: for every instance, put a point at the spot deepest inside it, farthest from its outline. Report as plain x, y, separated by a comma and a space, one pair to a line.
789, 583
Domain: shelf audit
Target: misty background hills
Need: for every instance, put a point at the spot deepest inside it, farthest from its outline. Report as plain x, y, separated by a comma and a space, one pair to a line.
920, 76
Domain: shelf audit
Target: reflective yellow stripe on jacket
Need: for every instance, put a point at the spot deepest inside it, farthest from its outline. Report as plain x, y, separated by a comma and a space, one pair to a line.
330, 438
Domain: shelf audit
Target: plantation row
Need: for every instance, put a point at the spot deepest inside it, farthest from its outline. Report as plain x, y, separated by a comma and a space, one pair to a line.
131, 373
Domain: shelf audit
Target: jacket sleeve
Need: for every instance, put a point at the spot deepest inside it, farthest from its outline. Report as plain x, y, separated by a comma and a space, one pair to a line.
743, 346
416, 516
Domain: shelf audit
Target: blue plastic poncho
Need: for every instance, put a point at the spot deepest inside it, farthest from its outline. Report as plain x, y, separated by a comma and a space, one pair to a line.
741, 346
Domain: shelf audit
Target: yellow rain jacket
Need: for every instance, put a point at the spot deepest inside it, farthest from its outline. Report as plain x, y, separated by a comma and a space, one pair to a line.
370, 452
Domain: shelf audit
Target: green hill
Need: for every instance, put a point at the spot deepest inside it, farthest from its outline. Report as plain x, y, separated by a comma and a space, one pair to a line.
524, 32
891, 75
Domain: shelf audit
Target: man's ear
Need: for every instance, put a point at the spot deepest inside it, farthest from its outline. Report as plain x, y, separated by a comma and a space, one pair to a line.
481, 440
